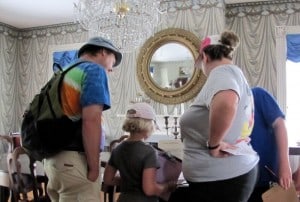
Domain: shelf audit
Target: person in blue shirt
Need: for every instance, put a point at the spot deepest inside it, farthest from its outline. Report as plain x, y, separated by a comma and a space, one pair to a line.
73, 173
269, 139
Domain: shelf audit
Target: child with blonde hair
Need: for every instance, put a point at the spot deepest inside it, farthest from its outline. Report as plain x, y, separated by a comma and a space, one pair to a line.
135, 160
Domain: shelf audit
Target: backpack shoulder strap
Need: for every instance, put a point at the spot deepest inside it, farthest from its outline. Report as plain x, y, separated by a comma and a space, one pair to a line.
72, 66
46, 93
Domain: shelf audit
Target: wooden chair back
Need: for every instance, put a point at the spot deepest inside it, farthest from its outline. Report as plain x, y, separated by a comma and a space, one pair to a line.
16, 136
22, 177
109, 191
6, 146
114, 143
7, 143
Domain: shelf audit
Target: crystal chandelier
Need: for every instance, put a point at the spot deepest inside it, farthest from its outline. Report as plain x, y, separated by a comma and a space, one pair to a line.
127, 23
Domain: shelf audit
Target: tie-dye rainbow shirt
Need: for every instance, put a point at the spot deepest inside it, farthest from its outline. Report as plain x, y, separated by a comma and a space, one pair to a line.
84, 85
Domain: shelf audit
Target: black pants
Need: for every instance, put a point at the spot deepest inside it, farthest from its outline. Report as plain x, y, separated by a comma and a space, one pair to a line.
4, 194
236, 189
256, 195
181, 194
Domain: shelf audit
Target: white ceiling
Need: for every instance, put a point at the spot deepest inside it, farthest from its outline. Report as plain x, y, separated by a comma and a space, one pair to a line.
35, 13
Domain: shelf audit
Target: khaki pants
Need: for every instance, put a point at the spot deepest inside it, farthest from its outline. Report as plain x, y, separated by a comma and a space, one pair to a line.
67, 173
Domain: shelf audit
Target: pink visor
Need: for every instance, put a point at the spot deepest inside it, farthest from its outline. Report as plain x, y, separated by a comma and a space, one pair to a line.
207, 41
141, 110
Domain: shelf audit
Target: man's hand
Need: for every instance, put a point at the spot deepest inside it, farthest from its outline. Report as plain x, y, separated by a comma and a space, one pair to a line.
93, 175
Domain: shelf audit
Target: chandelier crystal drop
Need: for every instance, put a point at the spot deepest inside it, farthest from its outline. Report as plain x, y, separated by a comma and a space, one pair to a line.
127, 23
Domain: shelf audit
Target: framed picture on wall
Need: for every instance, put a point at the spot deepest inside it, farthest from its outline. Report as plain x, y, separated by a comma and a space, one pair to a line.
61, 55
63, 58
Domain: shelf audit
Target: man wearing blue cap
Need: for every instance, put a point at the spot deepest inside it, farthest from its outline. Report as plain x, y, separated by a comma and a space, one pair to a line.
74, 172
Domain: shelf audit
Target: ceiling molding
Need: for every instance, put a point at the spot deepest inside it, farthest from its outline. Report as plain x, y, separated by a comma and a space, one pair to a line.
258, 3
45, 31
243, 1
256, 9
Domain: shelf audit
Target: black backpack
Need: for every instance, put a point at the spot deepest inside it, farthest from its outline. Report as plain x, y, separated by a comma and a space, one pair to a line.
45, 130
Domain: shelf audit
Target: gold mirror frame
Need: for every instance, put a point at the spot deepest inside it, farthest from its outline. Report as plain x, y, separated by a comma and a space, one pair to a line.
155, 92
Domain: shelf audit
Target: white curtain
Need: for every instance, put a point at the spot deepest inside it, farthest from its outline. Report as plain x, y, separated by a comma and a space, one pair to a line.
256, 28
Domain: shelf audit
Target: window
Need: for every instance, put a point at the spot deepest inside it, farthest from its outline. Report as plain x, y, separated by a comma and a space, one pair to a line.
288, 78
293, 100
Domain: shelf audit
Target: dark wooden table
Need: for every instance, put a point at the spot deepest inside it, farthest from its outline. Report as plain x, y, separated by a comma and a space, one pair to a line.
294, 150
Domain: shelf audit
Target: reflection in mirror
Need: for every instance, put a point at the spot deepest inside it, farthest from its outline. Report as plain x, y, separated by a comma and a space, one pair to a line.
171, 66
165, 66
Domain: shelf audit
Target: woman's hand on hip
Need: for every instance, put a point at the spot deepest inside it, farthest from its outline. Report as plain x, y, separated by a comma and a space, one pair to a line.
219, 151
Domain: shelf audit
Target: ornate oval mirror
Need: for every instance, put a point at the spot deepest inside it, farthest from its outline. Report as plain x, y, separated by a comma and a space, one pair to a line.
165, 66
